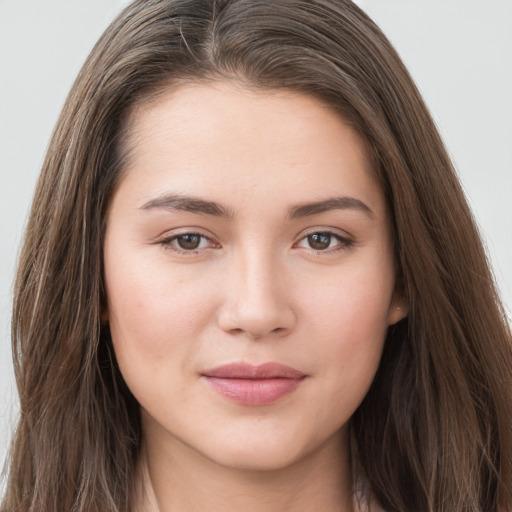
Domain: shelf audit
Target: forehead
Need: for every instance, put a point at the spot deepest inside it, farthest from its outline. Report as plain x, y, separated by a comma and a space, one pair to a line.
195, 136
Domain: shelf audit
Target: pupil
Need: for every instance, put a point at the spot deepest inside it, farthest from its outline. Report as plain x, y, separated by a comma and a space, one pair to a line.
189, 241
319, 240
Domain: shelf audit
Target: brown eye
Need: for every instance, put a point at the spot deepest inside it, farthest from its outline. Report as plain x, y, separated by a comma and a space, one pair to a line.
189, 241
319, 241
325, 242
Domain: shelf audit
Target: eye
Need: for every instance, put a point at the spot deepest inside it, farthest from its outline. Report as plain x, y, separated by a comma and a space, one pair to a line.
187, 243
324, 241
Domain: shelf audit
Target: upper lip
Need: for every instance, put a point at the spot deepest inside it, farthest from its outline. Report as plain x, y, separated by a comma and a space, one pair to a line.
248, 371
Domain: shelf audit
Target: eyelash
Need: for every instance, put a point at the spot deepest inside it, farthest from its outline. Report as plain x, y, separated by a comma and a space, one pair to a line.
167, 243
344, 243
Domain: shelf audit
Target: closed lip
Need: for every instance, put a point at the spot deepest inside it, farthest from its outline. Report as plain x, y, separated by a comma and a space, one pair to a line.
263, 371
251, 385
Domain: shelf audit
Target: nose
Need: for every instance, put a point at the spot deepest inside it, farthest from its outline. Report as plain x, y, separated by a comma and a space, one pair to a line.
256, 299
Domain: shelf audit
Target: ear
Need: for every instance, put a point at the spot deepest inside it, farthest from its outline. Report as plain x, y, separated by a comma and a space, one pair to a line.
399, 308
104, 315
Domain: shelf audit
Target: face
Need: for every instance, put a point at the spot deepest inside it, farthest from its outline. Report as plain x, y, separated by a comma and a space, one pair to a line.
249, 273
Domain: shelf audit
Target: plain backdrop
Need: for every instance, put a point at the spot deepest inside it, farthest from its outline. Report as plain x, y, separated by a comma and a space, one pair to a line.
458, 51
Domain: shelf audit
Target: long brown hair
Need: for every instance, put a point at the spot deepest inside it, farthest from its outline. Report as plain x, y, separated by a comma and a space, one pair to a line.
434, 432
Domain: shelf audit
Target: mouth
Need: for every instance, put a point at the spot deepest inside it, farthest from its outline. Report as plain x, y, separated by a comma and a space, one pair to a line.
246, 384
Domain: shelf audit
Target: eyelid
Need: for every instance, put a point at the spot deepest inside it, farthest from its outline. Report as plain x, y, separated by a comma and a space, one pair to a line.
325, 229
185, 230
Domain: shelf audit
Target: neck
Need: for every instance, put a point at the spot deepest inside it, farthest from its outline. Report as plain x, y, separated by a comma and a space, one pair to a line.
185, 481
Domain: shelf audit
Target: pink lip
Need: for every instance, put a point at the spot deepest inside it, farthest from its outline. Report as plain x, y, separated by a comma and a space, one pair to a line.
254, 385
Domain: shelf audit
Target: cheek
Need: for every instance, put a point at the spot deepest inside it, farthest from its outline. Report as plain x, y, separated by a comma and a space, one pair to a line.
348, 321
153, 312
156, 319
353, 304
354, 330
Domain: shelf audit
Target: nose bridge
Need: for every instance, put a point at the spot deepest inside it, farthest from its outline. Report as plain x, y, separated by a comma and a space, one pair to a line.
258, 278
257, 303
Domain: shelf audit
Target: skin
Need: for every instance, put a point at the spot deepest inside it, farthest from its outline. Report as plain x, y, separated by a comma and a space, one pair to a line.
254, 290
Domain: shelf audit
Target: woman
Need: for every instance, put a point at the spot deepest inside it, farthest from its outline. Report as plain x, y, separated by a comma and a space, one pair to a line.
251, 281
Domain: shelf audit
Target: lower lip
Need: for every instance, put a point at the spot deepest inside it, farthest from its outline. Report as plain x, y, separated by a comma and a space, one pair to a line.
254, 391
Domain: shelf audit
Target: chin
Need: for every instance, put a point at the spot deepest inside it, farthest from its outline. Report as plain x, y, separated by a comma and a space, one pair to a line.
267, 459
259, 452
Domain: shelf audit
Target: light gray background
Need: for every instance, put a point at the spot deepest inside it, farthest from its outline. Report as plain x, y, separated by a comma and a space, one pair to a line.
458, 51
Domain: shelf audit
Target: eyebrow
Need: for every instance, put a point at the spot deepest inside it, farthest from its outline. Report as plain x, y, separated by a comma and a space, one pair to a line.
188, 204
200, 206
333, 203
